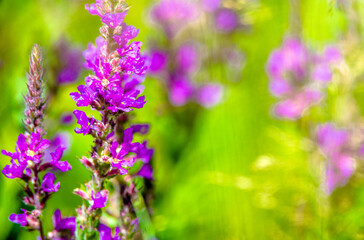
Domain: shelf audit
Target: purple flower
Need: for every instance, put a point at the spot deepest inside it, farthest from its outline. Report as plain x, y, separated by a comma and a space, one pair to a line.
291, 60
94, 9
181, 91
92, 53
210, 95
118, 153
298, 77
143, 153
13, 170
66, 118
85, 97
85, 122
70, 62
131, 61
28, 149
187, 58
105, 233
293, 108
103, 79
140, 128
113, 19
99, 200
146, 171
64, 227
62, 166
226, 20
19, 218
128, 33
340, 165
48, 183
159, 60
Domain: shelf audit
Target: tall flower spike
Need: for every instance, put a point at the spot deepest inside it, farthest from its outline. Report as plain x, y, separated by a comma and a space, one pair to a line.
35, 103
33, 155
113, 89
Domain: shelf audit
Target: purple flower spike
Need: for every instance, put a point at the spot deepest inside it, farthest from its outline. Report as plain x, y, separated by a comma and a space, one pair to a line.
19, 218
64, 228
105, 233
99, 200
48, 183
84, 121
113, 19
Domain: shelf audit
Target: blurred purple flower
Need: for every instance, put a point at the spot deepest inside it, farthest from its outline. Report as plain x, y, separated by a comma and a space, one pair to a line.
226, 20
181, 90
159, 60
70, 62
292, 108
146, 171
209, 95
66, 118
187, 58
297, 77
340, 165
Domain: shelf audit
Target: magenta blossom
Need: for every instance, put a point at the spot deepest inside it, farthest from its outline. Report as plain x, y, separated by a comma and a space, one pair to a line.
105, 233
99, 199
340, 163
19, 218
298, 77
48, 183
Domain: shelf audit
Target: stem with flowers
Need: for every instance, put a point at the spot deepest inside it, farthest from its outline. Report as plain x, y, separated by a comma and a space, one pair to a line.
31, 160
113, 91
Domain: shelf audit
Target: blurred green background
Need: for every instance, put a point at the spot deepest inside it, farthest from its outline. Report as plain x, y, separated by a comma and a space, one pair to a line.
241, 175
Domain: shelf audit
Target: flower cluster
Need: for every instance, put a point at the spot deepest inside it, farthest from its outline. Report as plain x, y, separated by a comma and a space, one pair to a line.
113, 89
298, 75
178, 65
33, 160
335, 144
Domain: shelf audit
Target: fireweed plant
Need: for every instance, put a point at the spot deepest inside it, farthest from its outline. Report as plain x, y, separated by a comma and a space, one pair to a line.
32, 162
182, 60
113, 90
